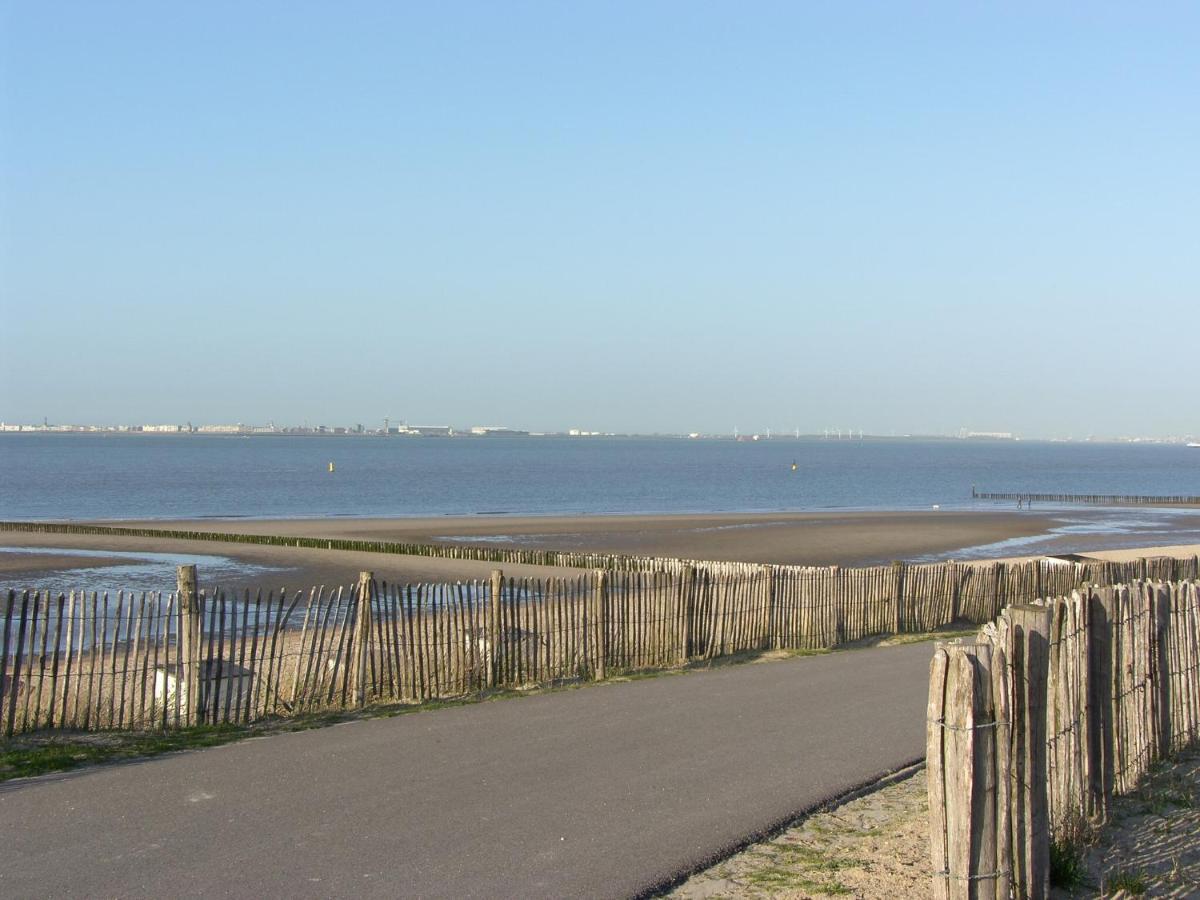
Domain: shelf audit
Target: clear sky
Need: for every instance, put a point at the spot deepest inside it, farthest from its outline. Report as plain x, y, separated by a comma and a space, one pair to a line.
649, 216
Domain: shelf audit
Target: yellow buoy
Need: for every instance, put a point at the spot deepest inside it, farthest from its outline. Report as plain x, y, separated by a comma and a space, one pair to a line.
793, 467
331, 467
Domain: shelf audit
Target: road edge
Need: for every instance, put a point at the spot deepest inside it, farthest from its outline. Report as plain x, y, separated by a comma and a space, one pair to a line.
875, 783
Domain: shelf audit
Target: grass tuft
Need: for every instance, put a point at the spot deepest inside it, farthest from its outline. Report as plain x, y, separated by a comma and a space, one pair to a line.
1067, 867
1124, 881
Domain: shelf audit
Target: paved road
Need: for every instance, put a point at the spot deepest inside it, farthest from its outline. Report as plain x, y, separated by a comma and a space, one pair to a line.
601, 792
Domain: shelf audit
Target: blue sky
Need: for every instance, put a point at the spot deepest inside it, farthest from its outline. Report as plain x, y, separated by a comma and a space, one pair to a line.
644, 216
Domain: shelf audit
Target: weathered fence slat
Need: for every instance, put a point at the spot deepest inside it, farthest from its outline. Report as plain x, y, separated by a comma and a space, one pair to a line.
1086, 692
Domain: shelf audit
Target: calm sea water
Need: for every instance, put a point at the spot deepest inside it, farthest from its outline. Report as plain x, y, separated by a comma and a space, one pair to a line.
99, 476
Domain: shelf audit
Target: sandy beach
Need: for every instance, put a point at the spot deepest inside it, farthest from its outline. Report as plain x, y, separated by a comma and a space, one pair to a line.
816, 538
823, 538
855, 538
32, 563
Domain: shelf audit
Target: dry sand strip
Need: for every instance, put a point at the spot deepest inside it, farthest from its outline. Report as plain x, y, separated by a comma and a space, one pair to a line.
1177, 550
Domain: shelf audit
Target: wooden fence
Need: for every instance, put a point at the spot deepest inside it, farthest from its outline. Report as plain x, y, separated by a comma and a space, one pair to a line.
85, 660
1035, 726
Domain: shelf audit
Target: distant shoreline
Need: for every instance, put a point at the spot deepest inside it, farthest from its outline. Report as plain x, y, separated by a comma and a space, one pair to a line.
103, 431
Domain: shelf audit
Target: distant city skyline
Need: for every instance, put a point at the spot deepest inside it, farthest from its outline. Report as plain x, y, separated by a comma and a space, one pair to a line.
404, 428
666, 217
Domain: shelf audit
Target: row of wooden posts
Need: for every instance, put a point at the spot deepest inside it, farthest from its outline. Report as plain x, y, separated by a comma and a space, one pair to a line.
89, 660
1034, 727
447, 548
1092, 499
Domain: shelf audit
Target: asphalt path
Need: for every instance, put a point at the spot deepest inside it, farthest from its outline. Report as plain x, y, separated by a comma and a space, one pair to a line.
607, 791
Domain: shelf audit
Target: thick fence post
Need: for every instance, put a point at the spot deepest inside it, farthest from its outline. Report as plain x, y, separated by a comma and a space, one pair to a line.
687, 606
768, 637
189, 678
601, 624
935, 766
962, 744
1100, 699
1160, 624
11, 687
1002, 714
362, 636
897, 596
494, 614
839, 605
1030, 628
998, 571
955, 591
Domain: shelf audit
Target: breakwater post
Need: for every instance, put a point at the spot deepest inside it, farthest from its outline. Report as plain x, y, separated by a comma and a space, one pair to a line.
495, 612
362, 636
1091, 499
601, 624
189, 646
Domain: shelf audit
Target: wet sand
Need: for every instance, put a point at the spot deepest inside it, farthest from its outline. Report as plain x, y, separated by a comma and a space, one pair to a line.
18, 564
833, 538
854, 538
297, 568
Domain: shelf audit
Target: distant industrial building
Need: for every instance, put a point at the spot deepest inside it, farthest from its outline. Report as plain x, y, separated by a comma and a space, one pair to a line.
497, 431
989, 435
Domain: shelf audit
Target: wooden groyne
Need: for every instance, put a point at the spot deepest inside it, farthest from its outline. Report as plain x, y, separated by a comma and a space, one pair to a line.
1091, 499
447, 550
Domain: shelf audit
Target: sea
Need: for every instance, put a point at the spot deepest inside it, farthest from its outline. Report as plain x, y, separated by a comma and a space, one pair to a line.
72, 476
101, 476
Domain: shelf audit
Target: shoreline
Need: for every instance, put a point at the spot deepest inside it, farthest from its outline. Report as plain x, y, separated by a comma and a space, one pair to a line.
844, 538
